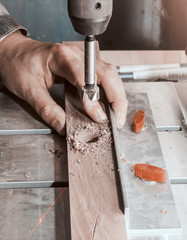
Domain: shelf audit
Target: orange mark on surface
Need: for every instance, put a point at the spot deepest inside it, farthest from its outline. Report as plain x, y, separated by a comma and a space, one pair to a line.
151, 173
138, 121
42, 218
76, 155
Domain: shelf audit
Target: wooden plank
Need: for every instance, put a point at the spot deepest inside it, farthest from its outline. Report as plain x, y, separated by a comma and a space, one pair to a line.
95, 199
121, 58
41, 213
33, 160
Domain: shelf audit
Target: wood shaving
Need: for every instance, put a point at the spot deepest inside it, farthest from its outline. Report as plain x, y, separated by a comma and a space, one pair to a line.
123, 158
28, 174
90, 137
55, 151
120, 169
132, 168
164, 211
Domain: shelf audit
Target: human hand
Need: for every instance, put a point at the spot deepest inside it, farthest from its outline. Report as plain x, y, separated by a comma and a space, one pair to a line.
28, 69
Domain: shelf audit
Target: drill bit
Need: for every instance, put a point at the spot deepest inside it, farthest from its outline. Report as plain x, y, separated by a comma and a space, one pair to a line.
90, 88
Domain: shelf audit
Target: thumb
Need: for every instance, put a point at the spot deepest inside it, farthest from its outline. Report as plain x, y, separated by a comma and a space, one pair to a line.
47, 108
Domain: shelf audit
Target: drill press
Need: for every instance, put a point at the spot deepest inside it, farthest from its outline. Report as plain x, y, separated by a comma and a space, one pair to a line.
90, 18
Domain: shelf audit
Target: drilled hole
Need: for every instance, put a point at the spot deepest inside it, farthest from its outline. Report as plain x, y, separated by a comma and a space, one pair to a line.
88, 137
98, 6
94, 139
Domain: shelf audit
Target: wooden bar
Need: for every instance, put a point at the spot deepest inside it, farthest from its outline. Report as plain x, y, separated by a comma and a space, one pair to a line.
95, 199
124, 58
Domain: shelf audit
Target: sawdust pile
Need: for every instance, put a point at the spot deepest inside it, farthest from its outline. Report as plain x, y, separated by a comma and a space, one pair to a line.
164, 211
90, 137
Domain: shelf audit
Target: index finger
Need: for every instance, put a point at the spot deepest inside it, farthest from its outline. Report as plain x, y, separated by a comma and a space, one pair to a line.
109, 79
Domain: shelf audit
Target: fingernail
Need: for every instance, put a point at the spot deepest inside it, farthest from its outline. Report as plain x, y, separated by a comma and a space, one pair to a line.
121, 121
101, 115
59, 127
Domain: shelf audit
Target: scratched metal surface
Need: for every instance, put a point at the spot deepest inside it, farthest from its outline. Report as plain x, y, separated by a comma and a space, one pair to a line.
179, 191
181, 88
33, 159
163, 100
16, 114
22, 209
31, 164
166, 109
174, 150
142, 206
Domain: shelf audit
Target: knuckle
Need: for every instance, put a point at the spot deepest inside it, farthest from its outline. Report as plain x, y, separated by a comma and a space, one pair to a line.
76, 53
74, 48
58, 48
44, 112
109, 70
110, 67
67, 51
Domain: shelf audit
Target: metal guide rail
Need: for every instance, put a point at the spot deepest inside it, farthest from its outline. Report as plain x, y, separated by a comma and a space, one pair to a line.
149, 207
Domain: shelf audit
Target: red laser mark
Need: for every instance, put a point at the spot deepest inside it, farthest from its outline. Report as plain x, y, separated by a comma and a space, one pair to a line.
76, 155
42, 218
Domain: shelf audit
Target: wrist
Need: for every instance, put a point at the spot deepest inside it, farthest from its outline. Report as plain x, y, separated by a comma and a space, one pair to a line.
10, 38
10, 44
9, 48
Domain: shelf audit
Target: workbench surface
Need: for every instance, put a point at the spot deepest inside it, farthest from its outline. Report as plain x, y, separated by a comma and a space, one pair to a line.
33, 168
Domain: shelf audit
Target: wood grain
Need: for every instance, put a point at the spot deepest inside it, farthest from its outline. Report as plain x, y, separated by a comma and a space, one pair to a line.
121, 58
95, 199
94, 206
